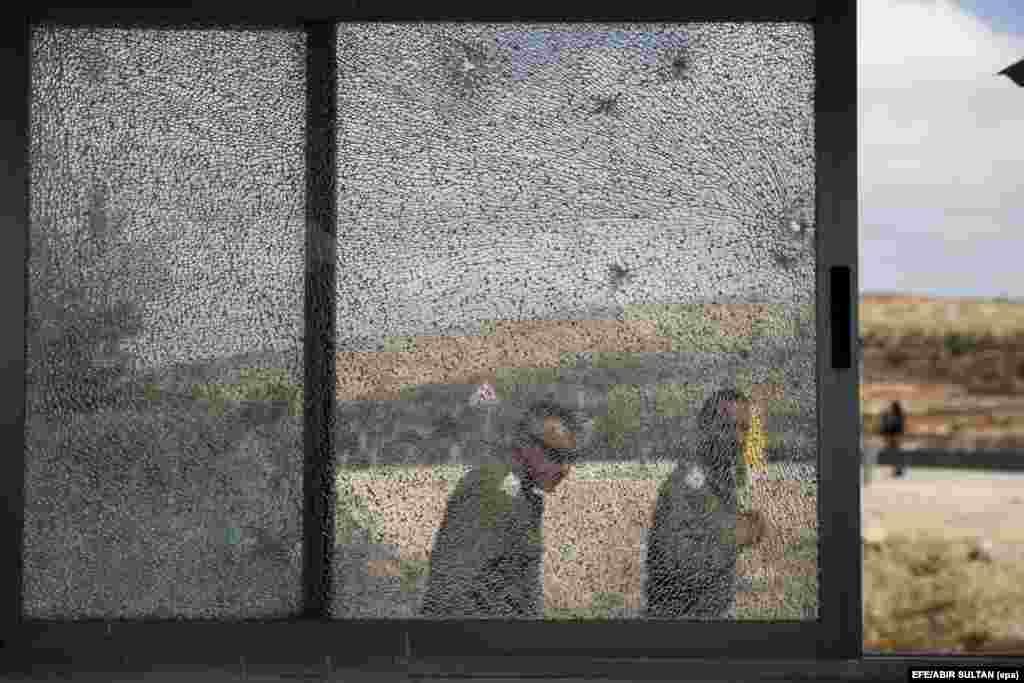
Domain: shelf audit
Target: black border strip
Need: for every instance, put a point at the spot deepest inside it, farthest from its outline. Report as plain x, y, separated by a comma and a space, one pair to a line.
320, 340
840, 552
841, 299
295, 14
14, 195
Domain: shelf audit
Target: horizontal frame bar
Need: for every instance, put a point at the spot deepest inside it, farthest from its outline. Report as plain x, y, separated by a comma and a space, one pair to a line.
998, 460
296, 14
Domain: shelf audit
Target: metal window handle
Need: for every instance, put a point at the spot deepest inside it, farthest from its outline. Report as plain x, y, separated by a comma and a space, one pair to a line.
841, 311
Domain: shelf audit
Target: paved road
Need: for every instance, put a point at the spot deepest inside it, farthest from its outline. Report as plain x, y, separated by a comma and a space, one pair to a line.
954, 503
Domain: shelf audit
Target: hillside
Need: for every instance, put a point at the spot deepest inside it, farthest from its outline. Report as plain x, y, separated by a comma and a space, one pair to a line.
956, 364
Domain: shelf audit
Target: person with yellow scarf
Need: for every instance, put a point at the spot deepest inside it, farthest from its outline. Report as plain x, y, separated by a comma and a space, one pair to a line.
699, 526
754, 461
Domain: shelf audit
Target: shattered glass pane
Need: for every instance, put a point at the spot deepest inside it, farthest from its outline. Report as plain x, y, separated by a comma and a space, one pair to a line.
620, 219
164, 464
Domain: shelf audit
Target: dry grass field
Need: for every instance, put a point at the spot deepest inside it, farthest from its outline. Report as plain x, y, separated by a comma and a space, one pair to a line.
897, 317
957, 365
505, 345
929, 592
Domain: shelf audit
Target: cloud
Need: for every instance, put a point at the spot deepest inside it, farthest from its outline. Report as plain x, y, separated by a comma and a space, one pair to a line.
932, 41
941, 135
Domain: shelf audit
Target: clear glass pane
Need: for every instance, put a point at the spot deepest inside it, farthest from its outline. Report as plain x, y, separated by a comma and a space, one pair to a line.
619, 218
164, 465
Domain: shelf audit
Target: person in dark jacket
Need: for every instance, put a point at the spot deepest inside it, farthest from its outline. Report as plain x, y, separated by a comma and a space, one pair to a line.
892, 428
486, 560
697, 530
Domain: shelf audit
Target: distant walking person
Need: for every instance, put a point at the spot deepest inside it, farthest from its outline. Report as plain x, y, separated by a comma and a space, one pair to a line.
892, 428
486, 560
698, 529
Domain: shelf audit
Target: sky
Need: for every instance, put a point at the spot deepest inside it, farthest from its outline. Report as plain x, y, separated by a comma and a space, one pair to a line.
941, 147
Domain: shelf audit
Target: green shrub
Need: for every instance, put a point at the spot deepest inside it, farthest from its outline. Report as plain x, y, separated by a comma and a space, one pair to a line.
411, 571
776, 327
688, 327
959, 344
567, 552
775, 376
744, 381
806, 547
616, 360
785, 406
603, 606
605, 603
151, 392
799, 603
806, 321
488, 328
677, 399
408, 392
628, 470
254, 385
623, 415
759, 584
403, 344
352, 514
508, 379
801, 597
568, 360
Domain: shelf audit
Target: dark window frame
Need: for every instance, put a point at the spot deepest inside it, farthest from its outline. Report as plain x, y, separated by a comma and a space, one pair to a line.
311, 638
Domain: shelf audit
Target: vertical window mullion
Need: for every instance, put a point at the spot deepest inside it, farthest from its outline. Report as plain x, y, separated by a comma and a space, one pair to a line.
320, 295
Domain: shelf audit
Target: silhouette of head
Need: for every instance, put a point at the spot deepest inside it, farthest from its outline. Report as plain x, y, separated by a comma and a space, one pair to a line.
726, 414
724, 421
548, 444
